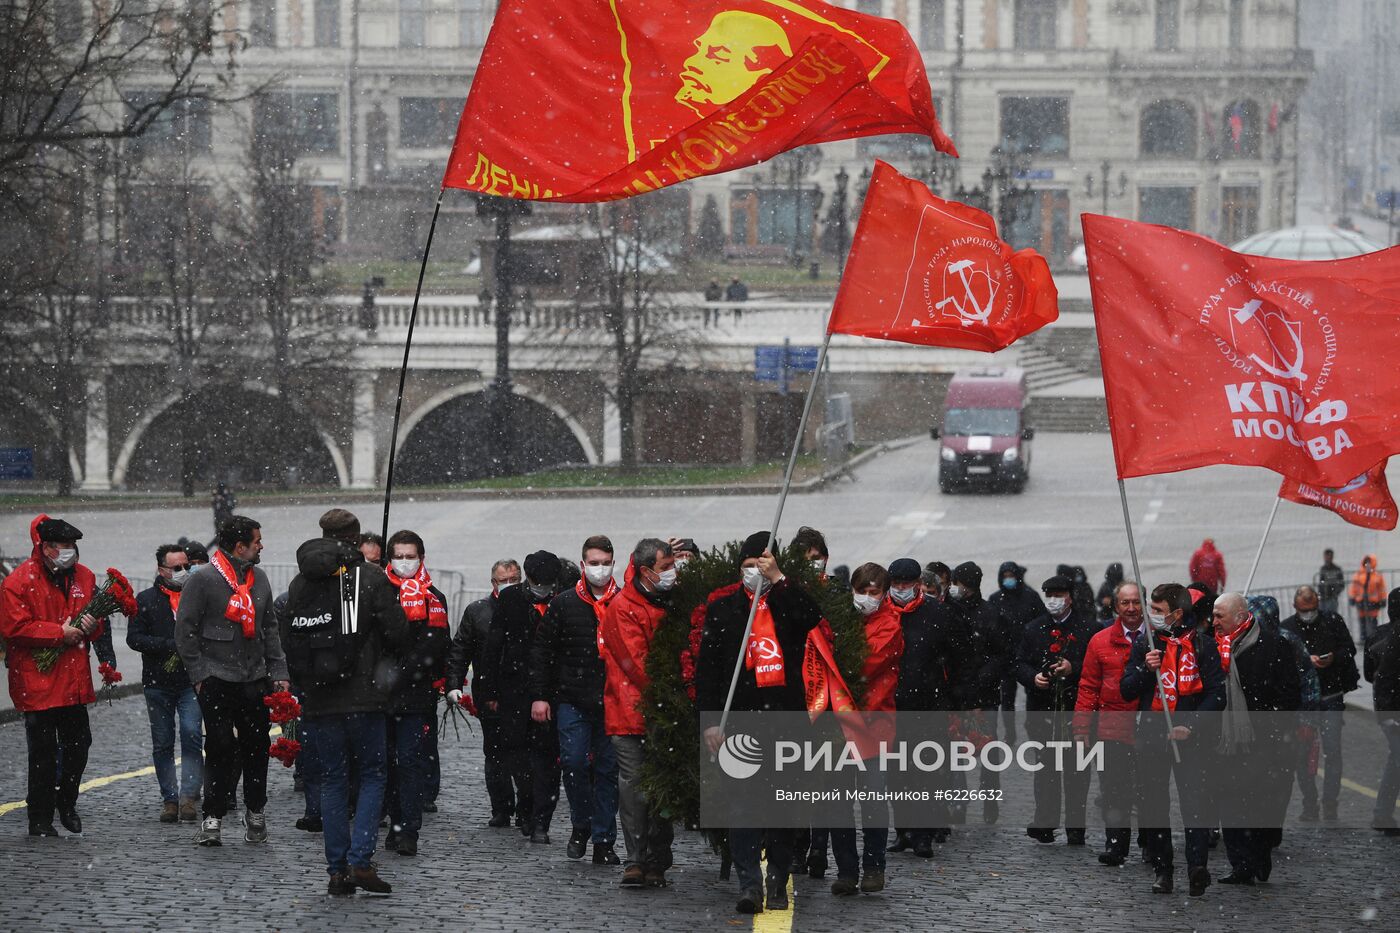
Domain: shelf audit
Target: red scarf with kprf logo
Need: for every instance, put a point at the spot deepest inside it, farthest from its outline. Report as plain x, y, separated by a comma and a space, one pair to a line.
417, 601
1181, 675
599, 603
240, 604
764, 656
1223, 643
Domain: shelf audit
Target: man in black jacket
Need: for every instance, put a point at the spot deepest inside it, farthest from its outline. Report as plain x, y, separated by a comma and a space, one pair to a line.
1048, 662
566, 680
1185, 655
1383, 671
505, 688
1258, 724
170, 697
413, 705
342, 627
1017, 605
1332, 654
507, 780
988, 659
793, 615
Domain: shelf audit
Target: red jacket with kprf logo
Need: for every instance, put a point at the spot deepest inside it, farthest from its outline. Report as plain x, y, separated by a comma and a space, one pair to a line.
34, 606
1099, 693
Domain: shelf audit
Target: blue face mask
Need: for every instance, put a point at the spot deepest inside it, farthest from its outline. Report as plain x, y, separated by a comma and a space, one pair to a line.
1009, 583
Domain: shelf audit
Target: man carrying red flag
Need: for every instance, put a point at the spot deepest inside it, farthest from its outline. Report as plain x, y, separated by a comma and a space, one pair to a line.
928, 271
1273, 360
600, 99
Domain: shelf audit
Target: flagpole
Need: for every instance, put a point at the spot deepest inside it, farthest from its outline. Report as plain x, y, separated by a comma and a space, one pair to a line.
777, 518
1142, 597
1268, 526
403, 370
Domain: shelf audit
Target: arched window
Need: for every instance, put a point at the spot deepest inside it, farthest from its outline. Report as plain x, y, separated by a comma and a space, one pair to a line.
1240, 131
1167, 130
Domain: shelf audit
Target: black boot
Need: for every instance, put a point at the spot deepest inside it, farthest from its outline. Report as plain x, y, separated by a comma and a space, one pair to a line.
68, 816
901, 843
1163, 884
1200, 880
578, 842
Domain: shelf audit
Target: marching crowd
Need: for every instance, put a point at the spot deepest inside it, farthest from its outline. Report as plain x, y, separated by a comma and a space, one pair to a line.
1168, 680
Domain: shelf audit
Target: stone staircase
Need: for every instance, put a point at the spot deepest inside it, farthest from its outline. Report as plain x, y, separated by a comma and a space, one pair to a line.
1064, 374
1068, 414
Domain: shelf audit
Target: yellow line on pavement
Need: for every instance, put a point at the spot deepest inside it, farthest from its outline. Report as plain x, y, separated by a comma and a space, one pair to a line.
776, 921
1351, 785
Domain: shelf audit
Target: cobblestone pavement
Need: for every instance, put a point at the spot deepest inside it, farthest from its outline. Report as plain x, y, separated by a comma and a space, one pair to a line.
129, 872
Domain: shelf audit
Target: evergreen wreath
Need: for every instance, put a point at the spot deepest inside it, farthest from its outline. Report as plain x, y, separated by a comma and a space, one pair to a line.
670, 776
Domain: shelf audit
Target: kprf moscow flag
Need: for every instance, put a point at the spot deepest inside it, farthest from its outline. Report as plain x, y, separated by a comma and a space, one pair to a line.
1211, 356
593, 100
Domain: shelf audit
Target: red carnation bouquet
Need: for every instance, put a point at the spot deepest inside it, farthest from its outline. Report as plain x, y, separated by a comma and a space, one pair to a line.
113, 596
282, 707
285, 750
110, 678
462, 710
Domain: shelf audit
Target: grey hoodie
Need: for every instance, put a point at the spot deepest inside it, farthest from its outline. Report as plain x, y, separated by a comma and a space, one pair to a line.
213, 646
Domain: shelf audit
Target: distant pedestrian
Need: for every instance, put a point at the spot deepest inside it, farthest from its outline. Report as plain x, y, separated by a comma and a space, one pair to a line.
1367, 595
1016, 605
1111, 578
1331, 583
1383, 671
225, 503
39, 605
1208, 566
171, 702
343, 625
737, 290
228, 639
714, 291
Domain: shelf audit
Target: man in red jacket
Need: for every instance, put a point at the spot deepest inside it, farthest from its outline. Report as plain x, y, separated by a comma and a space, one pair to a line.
40, 606
1208, 566
1102, 714
624, 637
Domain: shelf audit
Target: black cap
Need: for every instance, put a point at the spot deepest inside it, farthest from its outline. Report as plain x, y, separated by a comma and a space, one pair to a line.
754, 545
1057, 584
543, 567
56, 529
968, 574
906, 569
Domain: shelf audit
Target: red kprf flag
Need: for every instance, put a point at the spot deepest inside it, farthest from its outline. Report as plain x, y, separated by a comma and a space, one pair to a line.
1365, 501
1210, 356
934, 272
594, 100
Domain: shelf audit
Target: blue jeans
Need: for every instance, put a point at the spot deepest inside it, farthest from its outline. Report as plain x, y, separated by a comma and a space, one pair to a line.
165, 706
341, 740
409, 739
1390, 779
592, 791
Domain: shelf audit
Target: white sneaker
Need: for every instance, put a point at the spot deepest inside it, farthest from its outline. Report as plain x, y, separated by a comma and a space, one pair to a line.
255, 827
209, 832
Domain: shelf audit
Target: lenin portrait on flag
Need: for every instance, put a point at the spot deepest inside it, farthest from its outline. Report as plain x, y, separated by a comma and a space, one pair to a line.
717, 52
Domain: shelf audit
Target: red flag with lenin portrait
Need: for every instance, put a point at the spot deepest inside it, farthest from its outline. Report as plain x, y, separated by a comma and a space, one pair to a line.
1365, 501
934, 272
1210, 356
594, 100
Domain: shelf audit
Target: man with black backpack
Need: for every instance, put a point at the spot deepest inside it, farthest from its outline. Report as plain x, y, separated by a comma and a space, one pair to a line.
342, 627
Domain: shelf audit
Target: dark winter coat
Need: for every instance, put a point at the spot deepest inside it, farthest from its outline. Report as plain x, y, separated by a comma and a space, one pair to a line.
469, 644
1327, 633
504, 664
383, 631
422, 661
1383, 668
795, 614
1033, 656
988, 652
933, 659
152, 632
565, 666
1018, 606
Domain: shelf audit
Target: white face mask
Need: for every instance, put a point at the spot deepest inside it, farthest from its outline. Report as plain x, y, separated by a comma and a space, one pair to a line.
177, 578
819, 565
903, 595
1057, 605
955, 591
502, 587
865, 604
1307, 615
405, 567
753, 580
665, 580
66, 557
598, 574
1158, 622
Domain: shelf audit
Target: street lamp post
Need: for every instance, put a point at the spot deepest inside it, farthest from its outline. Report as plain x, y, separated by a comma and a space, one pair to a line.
1103, 184
503, 457
999, 186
